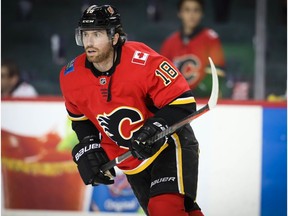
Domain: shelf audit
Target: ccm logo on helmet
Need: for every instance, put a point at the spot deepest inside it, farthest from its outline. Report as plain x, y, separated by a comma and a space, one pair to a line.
86, 149
88, 21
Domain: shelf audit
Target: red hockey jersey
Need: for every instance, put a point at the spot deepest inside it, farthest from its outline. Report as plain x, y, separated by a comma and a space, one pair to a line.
140, 74
191, 56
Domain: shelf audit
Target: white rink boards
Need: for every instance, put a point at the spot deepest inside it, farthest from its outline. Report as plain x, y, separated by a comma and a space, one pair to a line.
230, 139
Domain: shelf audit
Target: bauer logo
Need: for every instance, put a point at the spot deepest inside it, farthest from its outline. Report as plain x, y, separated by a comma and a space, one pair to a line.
162, 180
140, 57
86, 149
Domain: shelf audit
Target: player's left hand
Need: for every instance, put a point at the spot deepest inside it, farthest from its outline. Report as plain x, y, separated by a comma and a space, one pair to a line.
140, 147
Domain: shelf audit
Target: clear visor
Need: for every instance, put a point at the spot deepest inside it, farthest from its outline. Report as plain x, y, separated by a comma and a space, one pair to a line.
78, 37
78, 33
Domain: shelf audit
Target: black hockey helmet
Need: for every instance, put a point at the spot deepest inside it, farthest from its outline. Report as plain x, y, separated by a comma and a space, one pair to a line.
99, 17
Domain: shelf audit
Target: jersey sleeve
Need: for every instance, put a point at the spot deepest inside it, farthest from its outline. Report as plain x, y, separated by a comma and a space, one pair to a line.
82, 126
80, 123
165, 83
169, 91
179, 109
73, 113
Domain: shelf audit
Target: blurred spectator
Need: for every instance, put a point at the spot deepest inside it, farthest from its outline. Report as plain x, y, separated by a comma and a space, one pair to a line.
154, 12
11, 83
190, 47
25, 9
58, 49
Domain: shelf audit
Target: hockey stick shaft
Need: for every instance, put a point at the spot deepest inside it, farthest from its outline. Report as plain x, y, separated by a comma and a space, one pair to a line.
170, 130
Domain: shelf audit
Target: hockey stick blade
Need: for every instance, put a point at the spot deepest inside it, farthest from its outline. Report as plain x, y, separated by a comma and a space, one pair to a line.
215, 86
170, 130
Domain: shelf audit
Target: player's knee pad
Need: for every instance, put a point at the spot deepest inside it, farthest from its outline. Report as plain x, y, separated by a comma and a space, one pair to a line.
167, 205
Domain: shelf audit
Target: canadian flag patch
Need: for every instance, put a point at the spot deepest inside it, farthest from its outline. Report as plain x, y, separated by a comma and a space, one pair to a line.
140, 58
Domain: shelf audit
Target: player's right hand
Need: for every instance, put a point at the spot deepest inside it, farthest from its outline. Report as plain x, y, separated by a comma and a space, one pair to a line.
89, 157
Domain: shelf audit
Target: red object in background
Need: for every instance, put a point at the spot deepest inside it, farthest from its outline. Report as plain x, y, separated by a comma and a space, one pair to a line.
37, 176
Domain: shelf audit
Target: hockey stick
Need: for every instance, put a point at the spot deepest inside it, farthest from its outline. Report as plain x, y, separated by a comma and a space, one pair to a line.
170, 130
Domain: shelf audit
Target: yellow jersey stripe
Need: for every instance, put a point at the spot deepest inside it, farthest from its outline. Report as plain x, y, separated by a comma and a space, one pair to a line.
179, 163
81, 118
180, 101
145, 163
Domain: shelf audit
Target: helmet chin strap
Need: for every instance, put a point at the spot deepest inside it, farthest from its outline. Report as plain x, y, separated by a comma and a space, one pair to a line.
112, 33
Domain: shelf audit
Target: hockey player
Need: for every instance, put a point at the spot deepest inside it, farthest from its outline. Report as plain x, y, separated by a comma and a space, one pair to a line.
190, 48
118, 94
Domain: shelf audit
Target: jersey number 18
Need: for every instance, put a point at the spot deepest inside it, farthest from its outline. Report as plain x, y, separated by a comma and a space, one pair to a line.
166, 72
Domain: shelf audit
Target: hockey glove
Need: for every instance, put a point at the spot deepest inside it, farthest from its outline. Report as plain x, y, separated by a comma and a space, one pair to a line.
141, 147
89, 157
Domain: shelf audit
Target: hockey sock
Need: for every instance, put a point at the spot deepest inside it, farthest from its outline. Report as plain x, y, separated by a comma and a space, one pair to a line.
196, 213
167, 205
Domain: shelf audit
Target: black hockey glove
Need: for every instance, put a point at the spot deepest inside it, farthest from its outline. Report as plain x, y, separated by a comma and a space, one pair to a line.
89, 157
140, 147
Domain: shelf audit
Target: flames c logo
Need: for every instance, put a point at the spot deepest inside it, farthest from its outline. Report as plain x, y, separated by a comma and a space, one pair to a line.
120, 124
189, 66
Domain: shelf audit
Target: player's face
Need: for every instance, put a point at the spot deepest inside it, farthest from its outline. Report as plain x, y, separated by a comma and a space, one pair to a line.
190, 14
97, 45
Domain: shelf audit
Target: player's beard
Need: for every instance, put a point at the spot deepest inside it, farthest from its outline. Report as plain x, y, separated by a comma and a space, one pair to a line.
100, 56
